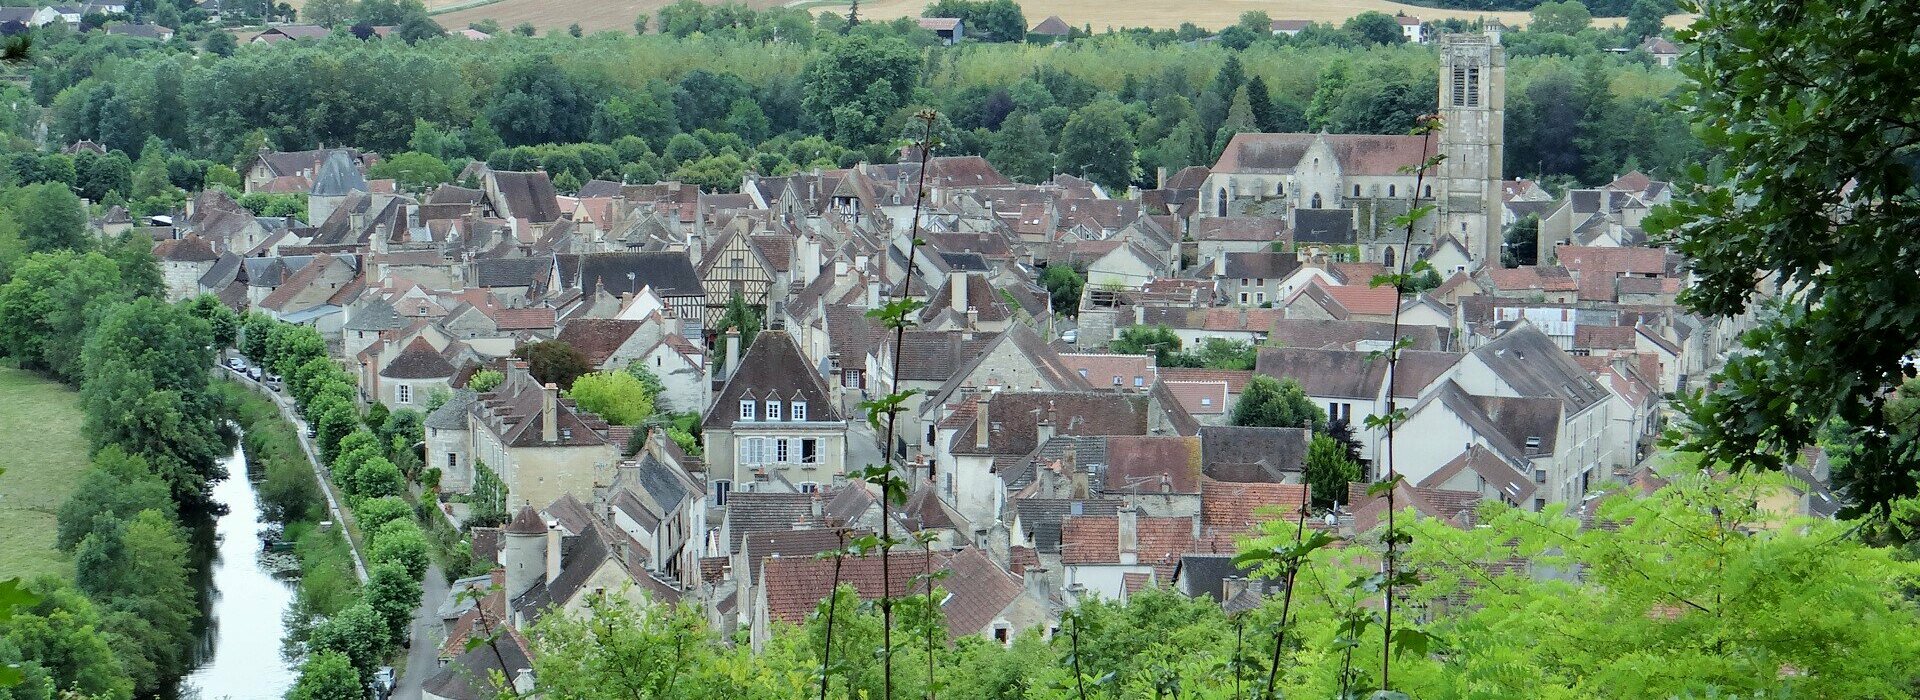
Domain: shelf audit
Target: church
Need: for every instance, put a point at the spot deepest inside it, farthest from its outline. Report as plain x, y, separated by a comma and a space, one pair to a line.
1341, 192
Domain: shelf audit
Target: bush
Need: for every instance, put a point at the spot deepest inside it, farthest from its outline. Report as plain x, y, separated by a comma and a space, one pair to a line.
377, 478
401, 542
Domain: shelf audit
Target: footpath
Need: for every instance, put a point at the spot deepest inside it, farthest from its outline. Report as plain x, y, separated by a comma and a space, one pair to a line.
340, 514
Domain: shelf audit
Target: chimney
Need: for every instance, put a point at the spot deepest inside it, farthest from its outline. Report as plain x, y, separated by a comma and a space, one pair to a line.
839, 268
1037, 582
1129, 535
733, 354
1081, 478
1160, 178
549, 417
523, 682
1231, 587
873, 294
1044, 431
980, 422
959, 285
553, 551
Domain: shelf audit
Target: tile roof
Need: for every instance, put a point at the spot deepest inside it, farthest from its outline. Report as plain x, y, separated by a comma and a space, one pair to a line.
1201, 398
1041, 518
1365, 300
1152, 464
978, 590
1159, 541
528, 195
795, 586
1246, 228
598, 338
1532, 277
418, 361
1052, 26
1589, 260
1013, 428
189, 249
1247, 454
1229, 509
1357, 154
1107, 370
773, 366
1603, 337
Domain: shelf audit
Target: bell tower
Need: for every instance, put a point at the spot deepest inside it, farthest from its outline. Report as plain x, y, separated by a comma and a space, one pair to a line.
1473, 97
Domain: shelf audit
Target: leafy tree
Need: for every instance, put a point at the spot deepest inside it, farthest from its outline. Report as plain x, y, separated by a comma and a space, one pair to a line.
400, 542
57, 645
378, 477
485, 380
721, 173
99, 176
1844, 317
1375, 27
393, 595
1523, 242
554, 362
1565, 17
119, 485
221, 320
1022, 149
523, 29
619, 397
1063, 285
640, 24
1098, 144
327, 675
290, 345
45, 308
1159, 341
856, 83
327, 13
649, 115
255, 329
371, 513
357, 633
1219, 353
538, 102
1643, 20
220, 43
1276, 403
413, 171
988, 20
51, 218
146, 366
746, 120
1329, 469
138, 570
737, 317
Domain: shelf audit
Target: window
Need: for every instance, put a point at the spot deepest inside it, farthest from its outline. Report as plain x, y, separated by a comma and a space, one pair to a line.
1539, 476
1539, 504
1259, 297
1279, 188
799, 411
1116, 380
1206, 401
720, 490
809, 451
402, 393
773, 409
1473, 86
809, 487
1389, 256
1244, 297
1316, 201
1243, 282
751, 451
1000, 634
1390, 190
746, 409
1428, 193
1220, 207
1139, 381
780, 450
1459, 86
453, 460
1083, 373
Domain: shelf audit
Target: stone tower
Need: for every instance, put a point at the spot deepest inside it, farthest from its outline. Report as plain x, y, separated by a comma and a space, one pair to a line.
1473, 101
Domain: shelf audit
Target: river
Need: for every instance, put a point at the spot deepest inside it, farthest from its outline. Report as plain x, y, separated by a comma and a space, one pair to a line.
240, 655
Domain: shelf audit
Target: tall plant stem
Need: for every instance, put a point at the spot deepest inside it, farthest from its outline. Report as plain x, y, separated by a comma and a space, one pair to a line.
833, 604
1393, 379
1286, 600
893, 419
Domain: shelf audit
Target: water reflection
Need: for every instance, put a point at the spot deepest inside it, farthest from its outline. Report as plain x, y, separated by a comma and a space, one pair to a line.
240, 650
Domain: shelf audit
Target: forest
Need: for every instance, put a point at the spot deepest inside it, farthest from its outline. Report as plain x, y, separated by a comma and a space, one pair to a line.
723, 91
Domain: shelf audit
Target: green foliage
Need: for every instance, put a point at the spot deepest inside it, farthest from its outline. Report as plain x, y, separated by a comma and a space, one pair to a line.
56, 645
554, 362
987, 20
1277, 403
118, 486
413, 171
393, 595
147, 391
1817, 138
327, 675
51, 218
488, 497
1063, 285
1159, 341
485, 380
138, 571
373, 512
619, 397
1329, 469
1565, 17
378, 477
856, 83
290, 345
400, 542
357, 633
1375, 27
1217, 353
1098, 144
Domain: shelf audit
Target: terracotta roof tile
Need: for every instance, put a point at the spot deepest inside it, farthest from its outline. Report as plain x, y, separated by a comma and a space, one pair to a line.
598, 338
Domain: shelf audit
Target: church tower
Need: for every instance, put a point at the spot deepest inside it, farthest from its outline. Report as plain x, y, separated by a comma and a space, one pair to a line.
1473, 97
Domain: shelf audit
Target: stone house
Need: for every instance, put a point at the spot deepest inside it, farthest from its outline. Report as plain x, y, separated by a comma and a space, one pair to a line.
773, 417
541, 446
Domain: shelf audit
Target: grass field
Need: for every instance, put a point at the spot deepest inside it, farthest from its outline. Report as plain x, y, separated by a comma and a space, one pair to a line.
44, 454
598, 15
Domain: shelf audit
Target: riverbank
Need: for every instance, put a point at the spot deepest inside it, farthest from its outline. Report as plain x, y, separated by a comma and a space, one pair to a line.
44, 454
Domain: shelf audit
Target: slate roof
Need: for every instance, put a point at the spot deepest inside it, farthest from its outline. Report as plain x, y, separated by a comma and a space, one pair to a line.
1248, 454
1326, 226
670, 274
418, 361
373, 315
189, 249
773, 366
465, 678
1534, 366
1270, 266
338, 175
452, 415
1052, 26
528, 195
1358, 154
760, 511
1206, 574
1042, 517
1351, 374
1500, 474
1241, 228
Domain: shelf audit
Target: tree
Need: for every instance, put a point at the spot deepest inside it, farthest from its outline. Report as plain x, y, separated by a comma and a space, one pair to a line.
419, 27
1375, 27
255, 329
640, 24
1836, 333
400, 542
146, 390
290, 345
1564, 17
1277, 403
357, 633
59, 648
378, 477
1523, 242
220, 43
485, 380
221, 320
327, 675
1643, 20
1239, 120
538, 102
746, 120
51, 218
719, 173
119, 485
1266, 117
1159, 341
737, 317
392, 595
1329, 470
46, 306
328, 13
1219, 353
856, 83
1063, 285
618, 397
138, 570
98, 177
1098, 145
1022, 149
554, 362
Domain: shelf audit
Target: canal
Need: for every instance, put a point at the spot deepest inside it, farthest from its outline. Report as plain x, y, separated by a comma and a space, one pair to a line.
240, 649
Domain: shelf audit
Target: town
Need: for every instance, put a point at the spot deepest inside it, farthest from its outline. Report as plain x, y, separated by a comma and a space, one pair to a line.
924, 388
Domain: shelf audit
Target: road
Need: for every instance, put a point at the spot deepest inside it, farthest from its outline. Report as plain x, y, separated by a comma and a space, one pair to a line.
423, 656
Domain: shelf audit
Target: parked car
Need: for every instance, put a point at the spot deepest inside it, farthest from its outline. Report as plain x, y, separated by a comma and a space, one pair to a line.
236, 364
383, 682
1071, 336
253, 373
273, 381
309, 432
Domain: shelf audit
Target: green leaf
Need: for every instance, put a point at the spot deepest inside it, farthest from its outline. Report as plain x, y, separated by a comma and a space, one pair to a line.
1412, 641
13, 595
1380, 487
11, 675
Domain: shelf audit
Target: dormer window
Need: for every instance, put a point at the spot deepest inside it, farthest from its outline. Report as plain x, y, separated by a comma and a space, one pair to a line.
746, 409
773, 410
799, 410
